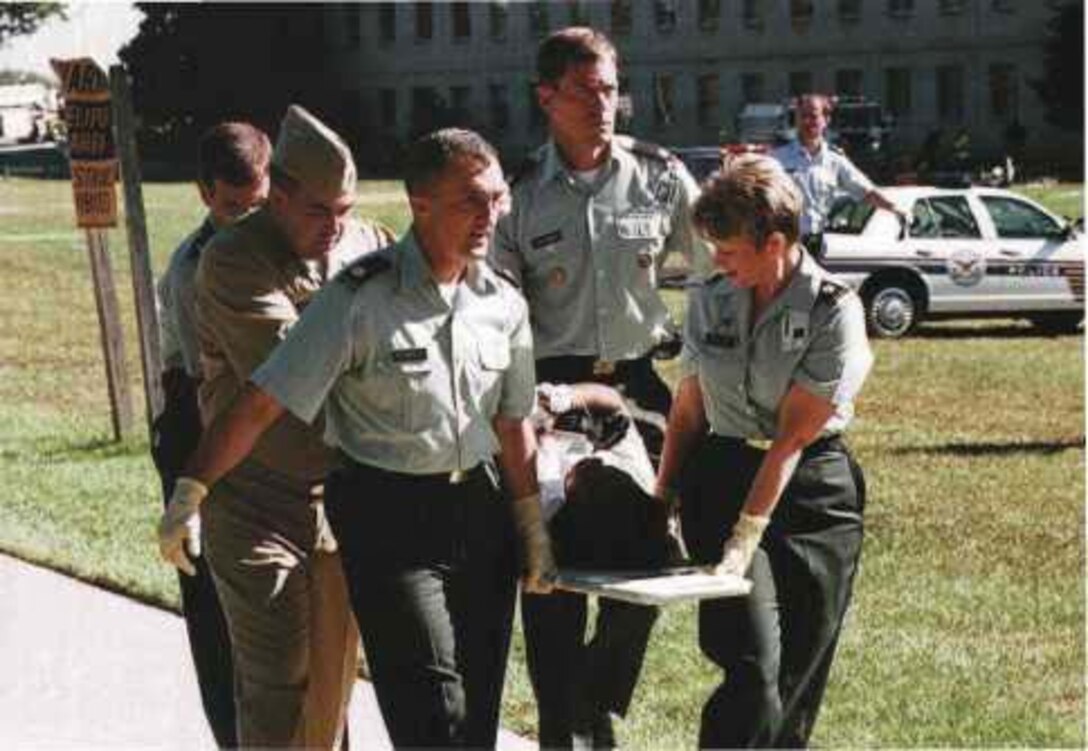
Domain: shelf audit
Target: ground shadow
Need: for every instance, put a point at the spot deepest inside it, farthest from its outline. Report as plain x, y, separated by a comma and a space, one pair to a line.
993, 448
998, 330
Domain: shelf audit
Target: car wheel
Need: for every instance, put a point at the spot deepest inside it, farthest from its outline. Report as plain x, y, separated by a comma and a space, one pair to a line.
891, 311
1063, 322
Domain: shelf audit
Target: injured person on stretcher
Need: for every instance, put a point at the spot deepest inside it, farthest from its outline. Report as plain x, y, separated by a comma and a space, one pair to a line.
596, 483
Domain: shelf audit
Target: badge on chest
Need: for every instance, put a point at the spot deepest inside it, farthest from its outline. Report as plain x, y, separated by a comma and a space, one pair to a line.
636, 225
723, 335
794, 330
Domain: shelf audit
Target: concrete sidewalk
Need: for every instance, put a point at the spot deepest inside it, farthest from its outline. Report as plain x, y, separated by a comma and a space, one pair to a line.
84, 668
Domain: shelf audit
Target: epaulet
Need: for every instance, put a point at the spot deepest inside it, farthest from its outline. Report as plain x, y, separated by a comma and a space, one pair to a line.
366, 267
527, 166
836, 149
831, 291
647, 149
505, 275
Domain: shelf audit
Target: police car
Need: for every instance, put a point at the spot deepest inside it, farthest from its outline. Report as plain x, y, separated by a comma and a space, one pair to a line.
966, 253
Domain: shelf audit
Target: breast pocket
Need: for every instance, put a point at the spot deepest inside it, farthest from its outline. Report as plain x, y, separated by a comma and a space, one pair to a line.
489, 367
640, 240
411, 371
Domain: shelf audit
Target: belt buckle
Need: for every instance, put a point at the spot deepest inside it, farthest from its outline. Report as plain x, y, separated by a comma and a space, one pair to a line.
761, 444
603, 367
457, 477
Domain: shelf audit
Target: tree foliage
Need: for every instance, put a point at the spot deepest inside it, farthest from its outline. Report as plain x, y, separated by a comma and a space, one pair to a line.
25, 18
1062, 85
192, 65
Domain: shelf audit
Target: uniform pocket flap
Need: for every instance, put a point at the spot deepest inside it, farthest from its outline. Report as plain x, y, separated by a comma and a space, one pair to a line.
495, 355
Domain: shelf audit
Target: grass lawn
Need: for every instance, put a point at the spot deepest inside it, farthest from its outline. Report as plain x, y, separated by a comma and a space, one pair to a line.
967, 627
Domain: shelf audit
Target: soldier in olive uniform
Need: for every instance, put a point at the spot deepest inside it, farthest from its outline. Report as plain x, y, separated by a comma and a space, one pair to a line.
421, 358
272, 557
232, 167
775, 353
594, 217
823, 173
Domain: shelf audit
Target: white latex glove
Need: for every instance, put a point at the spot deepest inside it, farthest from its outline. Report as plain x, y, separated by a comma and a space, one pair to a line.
326, 540
741, 546
540, 569
673, 529
179, 527
557, 398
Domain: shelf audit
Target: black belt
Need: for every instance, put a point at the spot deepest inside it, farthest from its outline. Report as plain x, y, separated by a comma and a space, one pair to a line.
592, 368
824, 443
452, 477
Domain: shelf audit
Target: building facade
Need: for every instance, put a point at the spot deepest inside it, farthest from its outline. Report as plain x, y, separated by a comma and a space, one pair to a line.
689, 66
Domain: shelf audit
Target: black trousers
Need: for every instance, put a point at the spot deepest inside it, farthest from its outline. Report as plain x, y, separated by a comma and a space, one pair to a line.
577, 683
431, 573
175, 434
776, 645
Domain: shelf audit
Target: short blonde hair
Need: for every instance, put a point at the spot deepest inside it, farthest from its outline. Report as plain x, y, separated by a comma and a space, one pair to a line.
752, 196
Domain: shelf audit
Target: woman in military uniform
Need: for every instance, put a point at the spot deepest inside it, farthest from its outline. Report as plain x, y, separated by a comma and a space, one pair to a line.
775, 353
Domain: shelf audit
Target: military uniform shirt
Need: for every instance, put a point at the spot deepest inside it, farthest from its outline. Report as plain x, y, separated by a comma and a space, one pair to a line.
410, 382
812, 334
821, 178
588, 256
177, 304
251, 289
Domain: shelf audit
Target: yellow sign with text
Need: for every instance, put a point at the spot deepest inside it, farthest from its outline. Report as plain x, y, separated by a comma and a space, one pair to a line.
87, 114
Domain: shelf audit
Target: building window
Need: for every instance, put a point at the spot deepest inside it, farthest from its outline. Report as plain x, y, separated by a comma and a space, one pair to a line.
709, 13
499, 106
897, 93
536, 115
706, 99
850, 82
424, 108
353, 26
462, 21
1004, 93
625, 107
387, 22
460, 104
620, 11
665, 15
900, 8
950, 93
800, 82
664, 100
387, 107
498, 15
849, 11
424, 20
538, 20
751, 87
800, 12
751, 14
951, 7
577, 13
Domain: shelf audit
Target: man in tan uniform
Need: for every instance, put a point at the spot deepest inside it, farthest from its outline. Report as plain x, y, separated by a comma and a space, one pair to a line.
269, 549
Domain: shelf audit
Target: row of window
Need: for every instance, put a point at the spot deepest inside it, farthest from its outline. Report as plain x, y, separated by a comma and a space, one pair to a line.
666, 16
429, 107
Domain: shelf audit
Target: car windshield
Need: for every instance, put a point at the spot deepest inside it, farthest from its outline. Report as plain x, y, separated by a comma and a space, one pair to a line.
848, 216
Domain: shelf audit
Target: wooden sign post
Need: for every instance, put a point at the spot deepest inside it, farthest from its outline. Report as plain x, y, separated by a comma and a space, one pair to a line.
143, 281
94, 172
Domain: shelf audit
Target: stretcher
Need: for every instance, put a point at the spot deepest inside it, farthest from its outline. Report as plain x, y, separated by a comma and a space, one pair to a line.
654, 587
